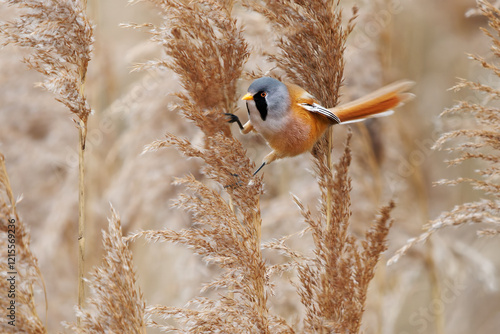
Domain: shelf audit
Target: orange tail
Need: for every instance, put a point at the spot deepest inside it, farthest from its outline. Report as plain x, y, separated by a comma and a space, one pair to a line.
375, 104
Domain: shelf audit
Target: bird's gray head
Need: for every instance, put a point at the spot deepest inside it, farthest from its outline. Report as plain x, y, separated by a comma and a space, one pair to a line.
271, 97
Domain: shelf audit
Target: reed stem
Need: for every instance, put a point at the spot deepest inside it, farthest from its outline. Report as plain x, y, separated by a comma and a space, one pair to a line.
82, 135
329, 160
81, 218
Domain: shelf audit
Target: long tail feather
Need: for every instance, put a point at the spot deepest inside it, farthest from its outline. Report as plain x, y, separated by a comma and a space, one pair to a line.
375, 104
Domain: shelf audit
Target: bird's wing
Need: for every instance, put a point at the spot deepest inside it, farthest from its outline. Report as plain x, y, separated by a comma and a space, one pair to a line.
316, 108
308, 102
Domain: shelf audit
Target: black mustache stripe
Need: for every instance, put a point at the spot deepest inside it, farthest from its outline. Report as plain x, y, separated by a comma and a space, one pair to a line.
261, 104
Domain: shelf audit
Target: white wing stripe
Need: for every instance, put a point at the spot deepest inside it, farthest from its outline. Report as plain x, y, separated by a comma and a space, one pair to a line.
316, 108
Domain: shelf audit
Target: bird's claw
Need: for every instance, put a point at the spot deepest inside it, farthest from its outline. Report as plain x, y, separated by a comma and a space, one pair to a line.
232, 118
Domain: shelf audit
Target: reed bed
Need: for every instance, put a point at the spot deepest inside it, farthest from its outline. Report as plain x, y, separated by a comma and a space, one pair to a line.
202, 245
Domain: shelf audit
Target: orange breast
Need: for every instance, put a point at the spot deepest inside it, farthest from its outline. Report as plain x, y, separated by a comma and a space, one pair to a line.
302, 132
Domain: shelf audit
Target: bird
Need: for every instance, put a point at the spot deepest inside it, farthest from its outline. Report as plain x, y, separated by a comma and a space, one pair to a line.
291, 120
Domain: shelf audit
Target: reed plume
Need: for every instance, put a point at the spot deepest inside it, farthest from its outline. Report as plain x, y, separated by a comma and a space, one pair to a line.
115, 304
333, 283
205, 48
311, 39
20, 275
59, 36
479, 144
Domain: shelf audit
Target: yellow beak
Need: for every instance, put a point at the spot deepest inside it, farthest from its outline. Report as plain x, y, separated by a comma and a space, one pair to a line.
247, 96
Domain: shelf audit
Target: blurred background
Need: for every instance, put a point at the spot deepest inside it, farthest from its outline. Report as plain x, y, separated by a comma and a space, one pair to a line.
448, 285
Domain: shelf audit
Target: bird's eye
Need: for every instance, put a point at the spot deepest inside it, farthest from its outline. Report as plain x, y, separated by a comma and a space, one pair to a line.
263, 94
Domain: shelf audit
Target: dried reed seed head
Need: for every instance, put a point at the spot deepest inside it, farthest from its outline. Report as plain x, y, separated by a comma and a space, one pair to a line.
226, 234
202, 38
116, 303
480, 143
60, 36
312, 42
27, 273
333, 283
205, 47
